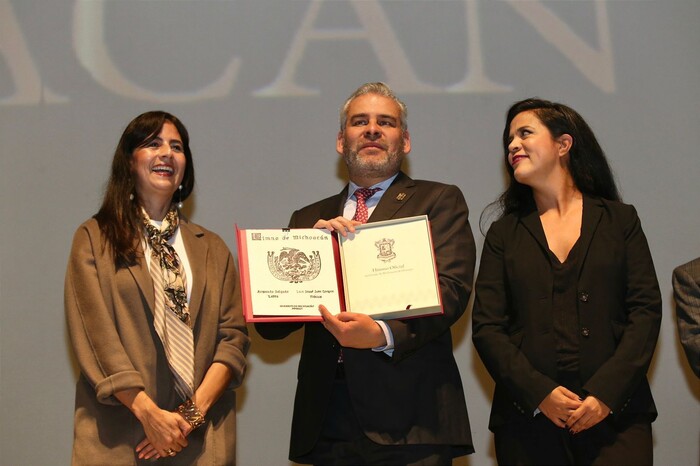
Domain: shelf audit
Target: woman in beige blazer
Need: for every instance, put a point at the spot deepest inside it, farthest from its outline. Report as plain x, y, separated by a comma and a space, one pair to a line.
154, 314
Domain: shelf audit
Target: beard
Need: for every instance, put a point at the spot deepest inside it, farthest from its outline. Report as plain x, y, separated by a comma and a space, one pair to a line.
379, 166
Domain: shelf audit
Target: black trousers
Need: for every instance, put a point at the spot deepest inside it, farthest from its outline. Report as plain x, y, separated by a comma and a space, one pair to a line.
342, 441
540, 442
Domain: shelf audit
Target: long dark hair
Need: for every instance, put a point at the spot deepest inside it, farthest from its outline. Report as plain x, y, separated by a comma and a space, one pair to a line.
120, 216
587, 163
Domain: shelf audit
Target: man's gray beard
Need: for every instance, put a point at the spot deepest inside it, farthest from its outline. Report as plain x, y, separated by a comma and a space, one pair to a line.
369, 167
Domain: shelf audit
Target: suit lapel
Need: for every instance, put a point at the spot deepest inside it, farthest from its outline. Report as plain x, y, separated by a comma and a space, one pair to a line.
336, 205
531, 222
395, 197
143, 279
197, 250
592, 213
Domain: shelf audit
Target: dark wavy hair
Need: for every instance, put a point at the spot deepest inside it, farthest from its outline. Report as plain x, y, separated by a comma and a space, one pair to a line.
119, 216
587, 163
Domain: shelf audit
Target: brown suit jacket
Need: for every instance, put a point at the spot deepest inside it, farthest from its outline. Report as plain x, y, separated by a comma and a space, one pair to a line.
686, 291
416, 396
618, 308
110, 320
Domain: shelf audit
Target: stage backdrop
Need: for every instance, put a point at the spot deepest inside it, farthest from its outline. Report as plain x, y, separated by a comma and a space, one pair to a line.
259, 83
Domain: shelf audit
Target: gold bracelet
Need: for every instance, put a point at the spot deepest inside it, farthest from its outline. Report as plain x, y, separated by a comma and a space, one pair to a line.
189, 411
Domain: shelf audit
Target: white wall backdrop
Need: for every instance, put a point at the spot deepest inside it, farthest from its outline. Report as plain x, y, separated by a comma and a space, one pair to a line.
258, 84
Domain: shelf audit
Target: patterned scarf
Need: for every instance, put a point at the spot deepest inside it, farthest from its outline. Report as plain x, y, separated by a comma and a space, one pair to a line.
171, 313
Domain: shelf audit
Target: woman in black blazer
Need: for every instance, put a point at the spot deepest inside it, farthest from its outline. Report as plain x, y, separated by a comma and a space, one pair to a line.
567, 308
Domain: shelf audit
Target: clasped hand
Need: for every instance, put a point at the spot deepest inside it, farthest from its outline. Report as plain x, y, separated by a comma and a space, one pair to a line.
590, 413
566, 410
165, 435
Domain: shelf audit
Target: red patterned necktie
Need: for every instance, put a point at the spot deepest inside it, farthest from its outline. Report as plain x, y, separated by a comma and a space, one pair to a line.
361, 215
362, 194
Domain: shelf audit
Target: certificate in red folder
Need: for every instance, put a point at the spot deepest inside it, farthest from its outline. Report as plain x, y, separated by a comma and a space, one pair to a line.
385, 270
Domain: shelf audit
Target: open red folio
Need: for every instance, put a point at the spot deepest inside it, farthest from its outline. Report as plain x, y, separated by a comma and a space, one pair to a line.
385, 269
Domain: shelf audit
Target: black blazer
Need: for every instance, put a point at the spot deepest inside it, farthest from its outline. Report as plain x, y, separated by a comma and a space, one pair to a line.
416, 396
618, 306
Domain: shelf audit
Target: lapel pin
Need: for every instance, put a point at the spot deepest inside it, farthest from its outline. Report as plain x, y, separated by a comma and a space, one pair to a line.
401, 196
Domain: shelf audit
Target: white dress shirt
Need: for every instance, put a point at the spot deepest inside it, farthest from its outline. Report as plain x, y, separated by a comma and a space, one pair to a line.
349, 212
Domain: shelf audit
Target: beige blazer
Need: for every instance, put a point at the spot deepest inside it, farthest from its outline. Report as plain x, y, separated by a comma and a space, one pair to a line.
686, 291
110, 321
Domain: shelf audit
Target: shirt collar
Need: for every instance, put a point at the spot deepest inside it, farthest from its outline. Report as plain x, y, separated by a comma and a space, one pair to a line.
382, 185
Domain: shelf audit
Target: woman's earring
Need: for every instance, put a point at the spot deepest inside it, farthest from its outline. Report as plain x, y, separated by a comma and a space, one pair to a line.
131, 196
179, 197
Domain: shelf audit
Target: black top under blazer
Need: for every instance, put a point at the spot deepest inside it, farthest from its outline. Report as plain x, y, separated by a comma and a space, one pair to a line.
416, 396
618, 307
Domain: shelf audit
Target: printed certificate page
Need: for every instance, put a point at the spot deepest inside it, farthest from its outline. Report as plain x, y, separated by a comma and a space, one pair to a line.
389, 269
286, 274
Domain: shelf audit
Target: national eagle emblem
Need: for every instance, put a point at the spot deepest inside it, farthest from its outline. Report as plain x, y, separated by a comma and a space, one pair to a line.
293, 265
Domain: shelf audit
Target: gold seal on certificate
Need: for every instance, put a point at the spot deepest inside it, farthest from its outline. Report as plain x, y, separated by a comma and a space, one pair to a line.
385, 270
